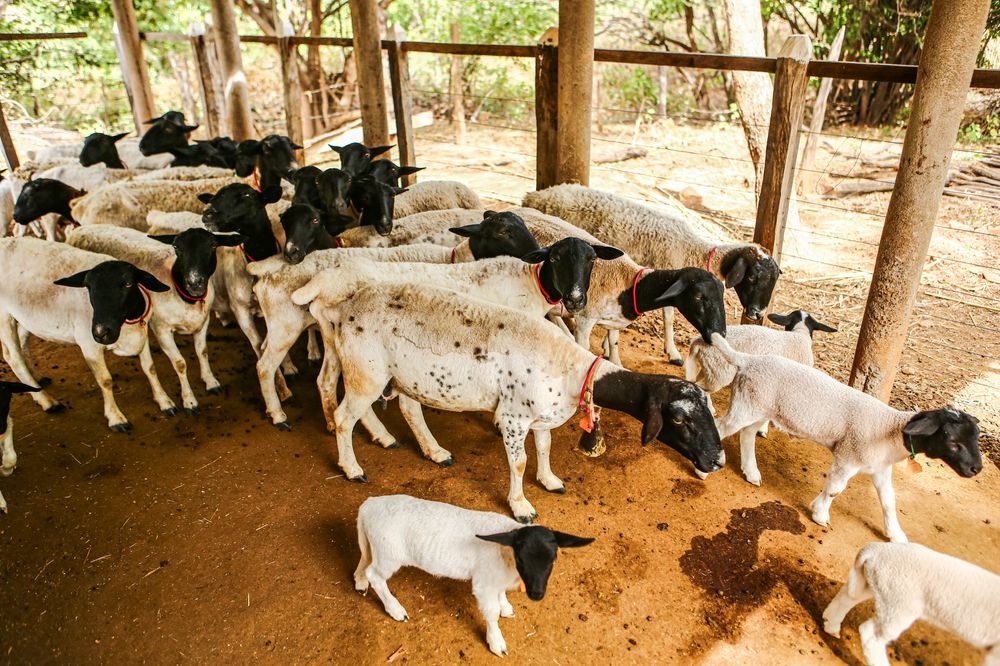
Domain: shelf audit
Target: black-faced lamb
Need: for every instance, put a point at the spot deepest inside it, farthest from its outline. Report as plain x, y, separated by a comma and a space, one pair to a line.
865, 434
268, 160
8, 456
398, 531
355, 157
165, 132
910, 582
99, 148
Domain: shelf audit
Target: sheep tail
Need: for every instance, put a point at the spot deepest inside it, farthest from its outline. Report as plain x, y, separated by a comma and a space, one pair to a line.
857, 583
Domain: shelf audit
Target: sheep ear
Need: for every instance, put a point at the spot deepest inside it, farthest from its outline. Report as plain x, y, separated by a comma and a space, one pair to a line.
18, 387
75, 280
814, 325
229, 240
489, 213
295, 145
672, 291
536, 256
118, 137
779, 319
407, 170
206, 197
149, 281
564, 540
396, 191
503, 538
168, 239
923, 424
736, 273
607, 252
468, 231
337, 149
653, 424
188, 128
378, 150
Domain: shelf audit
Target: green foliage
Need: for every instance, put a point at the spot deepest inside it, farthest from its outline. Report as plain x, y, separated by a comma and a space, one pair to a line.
630, 87
983, 130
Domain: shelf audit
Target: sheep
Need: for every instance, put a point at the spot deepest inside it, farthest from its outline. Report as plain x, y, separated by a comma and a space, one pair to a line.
910, 582
8, 457
655, 239
97, 303
165, 132
355, 157
48, 200
99, 148
396, 531
435, 195
186, 261
445, 350
128, 151
865, 434
385, 171
268, 160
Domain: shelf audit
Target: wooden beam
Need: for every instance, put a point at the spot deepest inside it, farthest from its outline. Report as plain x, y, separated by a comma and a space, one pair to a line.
807, 176
457, 99
7, 144
39, 36
546, 110
576, 81
371, 84
235, 93
291, 87
207, 80
402, 106
133, 64
951, 46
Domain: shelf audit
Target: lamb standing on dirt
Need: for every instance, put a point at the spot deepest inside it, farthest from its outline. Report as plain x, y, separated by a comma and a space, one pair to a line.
910, 582
398, 531
865, 434
8, 457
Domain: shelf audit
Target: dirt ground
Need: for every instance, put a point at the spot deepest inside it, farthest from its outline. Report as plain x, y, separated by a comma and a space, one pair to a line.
218, 538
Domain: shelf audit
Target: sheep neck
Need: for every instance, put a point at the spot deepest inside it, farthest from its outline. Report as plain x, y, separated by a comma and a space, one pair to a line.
647, 291
622, 390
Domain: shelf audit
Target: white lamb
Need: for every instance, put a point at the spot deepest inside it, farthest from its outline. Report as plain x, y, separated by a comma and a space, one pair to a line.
127, 204
910, 582
398, 531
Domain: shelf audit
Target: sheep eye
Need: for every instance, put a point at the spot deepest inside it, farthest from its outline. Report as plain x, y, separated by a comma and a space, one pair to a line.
314, 221
678, 420
128, 285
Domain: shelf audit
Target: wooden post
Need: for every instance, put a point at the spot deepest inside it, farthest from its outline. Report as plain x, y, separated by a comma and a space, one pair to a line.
7, 144
576, 68
951, 45
290, 87
807, 178
133, 64
207, 84
787, 106
402, 105
371, 83
457, 99
546, 111
235, 93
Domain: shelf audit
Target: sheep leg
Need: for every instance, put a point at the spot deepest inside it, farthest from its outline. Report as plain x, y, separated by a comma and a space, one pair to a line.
3, 504
212, 385
377, 575
887, 497
748, 454
506, 610
413, 414
543, 444
93, 353
360, 579
169, 348
669, 348
560, 323
50, 225
854, 591
611, 342
583, 328
244, 320
514, 434
13, 353
836, 481
167, 405
9, 455
345, 417
735, 420
280, 338
879, 631
312, 346
489, 606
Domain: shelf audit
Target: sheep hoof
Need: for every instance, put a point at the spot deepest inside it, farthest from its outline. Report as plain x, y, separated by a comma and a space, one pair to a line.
192, 411
170, 411
217, 390
394, 444
284, 425
122, 427
44, 382
832, 630
361, 478
526, 520
676, 361
315, 362
56, 408
447, 462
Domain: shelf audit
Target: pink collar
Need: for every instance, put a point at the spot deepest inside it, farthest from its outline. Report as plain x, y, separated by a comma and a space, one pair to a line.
538, 279
635, 283
708, 263
145, 313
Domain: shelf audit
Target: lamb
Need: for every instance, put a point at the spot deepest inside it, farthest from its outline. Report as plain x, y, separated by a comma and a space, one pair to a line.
127, 149
99, 148
268, 160
910, 582
445, 350
46, 200
865, 434
661, 241
102, 304
396, 531
435, 195
8, 457
355, 157
186, 261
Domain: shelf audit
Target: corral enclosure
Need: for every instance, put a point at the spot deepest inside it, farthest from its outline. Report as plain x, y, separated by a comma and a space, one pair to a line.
219, 538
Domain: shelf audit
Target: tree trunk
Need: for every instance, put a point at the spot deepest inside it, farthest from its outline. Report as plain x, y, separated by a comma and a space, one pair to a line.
179, 63
751, 89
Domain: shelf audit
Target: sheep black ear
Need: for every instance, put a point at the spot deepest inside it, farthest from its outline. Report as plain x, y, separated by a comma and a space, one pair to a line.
814, 325
270, 194
779, 319
653, 424
167, 239
149, 281
378, 150
337, 149
188, 128
468, 231
75, 280
115, 138
407, 170
396, 191
564, 540
503, 538
295, 145
489, 213
607, 252
229, 240
736, 273
536, 256
18, 387
672, 291
927, 423
206, 197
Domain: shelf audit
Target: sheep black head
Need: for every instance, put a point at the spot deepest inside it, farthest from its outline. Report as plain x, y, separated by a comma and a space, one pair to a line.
565, 270
100, 148
752, 273
535, 549
498, 235
41, 196
949, 435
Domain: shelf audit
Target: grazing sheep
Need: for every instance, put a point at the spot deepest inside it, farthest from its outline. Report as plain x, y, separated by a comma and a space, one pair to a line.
658, 240
445, 350
8, 457
865, 434
398, 531
910, 582
435, 195
102, 303
127, 204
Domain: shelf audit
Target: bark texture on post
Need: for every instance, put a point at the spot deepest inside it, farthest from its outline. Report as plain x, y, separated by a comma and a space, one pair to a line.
235, 92
546, 111
207, 79
291, 88
7, 144
954, 33
371, 83
402, 106
807, 177
457, 98
576, 80
133, 64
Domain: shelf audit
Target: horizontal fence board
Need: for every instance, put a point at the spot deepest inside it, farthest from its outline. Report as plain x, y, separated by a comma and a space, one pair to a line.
38, 36
503, 50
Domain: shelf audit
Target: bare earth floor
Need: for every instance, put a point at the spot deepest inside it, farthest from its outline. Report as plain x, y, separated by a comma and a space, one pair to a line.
220, 539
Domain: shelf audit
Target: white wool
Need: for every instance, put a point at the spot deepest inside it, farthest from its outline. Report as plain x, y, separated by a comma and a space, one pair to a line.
434, 195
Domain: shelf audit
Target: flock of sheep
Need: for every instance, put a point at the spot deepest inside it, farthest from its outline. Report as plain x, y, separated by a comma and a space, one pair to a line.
421, 294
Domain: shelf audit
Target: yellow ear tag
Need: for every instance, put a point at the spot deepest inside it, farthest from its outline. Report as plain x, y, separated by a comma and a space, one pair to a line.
913, 466
587, 421
523, 587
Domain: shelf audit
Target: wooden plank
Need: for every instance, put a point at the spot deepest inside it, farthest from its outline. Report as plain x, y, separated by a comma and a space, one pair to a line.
502, 50
576, 89
162, 37
235, 92
133, 64
39, 36
324, 41
402, 104
690, 60
457, 99
546, 114
7, 144
371, 84
807, 176
291, 87
206, 83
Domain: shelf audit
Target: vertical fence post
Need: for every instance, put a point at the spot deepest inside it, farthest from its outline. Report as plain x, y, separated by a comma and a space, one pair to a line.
6, 144
546, 110
457, 99
290, 86
371, 83
951, 45
402, 105
133, 64
236, 93
209, 98
807, 177
576, 80
787, 106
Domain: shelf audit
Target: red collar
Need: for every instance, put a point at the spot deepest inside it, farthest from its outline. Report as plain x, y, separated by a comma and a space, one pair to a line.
538, 280
708, 263
246, 256
635, 283
145, 313
186, 297
256, 180
587, 380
